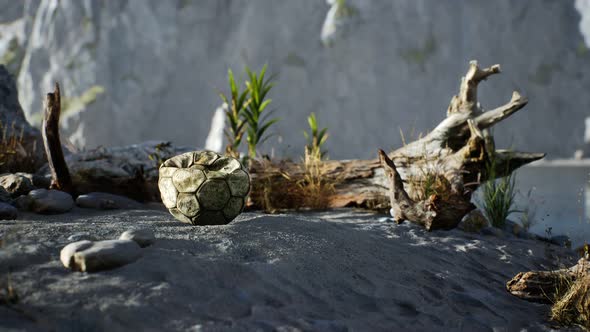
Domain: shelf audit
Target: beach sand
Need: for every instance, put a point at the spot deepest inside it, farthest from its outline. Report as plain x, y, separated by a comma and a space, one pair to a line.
341, 270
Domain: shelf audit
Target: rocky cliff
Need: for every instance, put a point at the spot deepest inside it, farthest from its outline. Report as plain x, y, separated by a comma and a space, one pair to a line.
137, 70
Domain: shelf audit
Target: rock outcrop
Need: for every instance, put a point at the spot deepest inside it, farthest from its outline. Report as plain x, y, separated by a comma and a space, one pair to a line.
158, 64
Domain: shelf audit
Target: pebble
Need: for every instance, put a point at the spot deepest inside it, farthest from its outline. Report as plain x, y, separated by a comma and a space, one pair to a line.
7, 211
105, 201
144, 237
45, 201
88, 256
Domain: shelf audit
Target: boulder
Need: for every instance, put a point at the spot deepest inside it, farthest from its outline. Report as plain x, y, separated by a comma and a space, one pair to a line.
88, 256
17, 184
7, 211
391, 54
144, 237
45, 201
105, 201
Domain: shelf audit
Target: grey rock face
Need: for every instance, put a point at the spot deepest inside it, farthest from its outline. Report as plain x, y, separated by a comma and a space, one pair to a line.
87, 256
105, 201
17, 184
144, 237
45, 201
398, 67
7, 211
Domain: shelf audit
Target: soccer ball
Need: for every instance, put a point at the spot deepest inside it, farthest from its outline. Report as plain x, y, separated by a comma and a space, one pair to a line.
203, 187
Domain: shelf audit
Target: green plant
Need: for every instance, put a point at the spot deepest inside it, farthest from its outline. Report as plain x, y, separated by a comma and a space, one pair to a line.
316, 138
258, 123
498, 196
236, 105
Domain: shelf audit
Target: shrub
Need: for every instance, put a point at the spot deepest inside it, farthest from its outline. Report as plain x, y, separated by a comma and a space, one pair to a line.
498, 196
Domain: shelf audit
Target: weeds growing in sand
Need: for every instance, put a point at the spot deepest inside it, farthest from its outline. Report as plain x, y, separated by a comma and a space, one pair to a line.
307, 185
258, 123
498, 196
236, 105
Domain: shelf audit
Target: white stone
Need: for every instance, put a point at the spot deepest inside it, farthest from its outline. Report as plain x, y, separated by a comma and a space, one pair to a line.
87, 256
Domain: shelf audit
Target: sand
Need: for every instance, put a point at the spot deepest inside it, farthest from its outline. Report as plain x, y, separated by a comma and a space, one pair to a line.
339, 270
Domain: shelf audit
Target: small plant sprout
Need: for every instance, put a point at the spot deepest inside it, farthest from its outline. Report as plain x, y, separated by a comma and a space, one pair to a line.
258, 123
236, 105
315, 139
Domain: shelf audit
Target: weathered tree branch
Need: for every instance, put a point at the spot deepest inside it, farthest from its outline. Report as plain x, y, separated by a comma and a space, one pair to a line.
60, 176
490, 118
542, 286
429, 181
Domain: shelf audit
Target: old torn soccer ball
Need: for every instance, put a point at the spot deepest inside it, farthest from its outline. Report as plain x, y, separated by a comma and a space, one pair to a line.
203, 187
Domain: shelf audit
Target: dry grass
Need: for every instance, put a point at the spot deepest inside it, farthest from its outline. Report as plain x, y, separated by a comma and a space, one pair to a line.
428, 181
8, 294
573, 307
279, 187
13, 155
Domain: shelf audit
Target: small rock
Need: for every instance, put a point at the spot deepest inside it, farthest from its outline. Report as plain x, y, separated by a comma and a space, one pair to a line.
105, 201
144, 237
46, 201
17, 184
88, 256
7, 211
81, 236
492, 231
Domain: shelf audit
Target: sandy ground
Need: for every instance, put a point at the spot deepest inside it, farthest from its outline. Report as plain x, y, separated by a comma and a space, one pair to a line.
333, 271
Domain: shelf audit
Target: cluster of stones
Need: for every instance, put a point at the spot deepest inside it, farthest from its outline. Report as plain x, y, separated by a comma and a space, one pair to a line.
87, 255
27, 192
203, 187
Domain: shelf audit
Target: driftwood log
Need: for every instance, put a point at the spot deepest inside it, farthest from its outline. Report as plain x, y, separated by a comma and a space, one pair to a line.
543, 286
453, 156
60, 176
